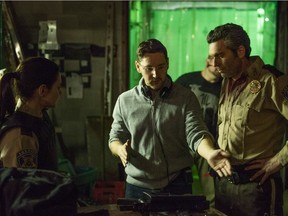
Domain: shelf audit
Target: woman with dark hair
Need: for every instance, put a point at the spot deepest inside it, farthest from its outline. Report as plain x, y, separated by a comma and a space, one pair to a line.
27, 137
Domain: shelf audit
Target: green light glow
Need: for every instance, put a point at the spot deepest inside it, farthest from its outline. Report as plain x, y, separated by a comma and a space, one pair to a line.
183, 27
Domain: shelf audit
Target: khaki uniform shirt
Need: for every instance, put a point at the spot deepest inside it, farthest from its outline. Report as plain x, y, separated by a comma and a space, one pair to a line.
282, 85
283, 155
252, 115
18, 149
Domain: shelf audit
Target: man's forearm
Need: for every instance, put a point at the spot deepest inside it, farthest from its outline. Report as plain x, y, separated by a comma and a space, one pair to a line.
114, 146
283, 155
206, 147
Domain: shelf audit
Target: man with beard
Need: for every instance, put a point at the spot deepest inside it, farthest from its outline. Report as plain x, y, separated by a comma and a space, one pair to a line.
155, 127
252, 120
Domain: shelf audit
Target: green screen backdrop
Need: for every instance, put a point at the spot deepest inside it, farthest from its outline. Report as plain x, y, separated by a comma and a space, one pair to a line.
183, 26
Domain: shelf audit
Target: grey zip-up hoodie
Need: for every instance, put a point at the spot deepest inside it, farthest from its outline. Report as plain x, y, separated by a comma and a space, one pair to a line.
163, 132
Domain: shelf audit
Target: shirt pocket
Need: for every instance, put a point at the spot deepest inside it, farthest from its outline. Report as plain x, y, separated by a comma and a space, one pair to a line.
249, 110
254, 109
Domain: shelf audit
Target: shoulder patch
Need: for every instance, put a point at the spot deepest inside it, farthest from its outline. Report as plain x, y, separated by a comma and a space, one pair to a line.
27, 158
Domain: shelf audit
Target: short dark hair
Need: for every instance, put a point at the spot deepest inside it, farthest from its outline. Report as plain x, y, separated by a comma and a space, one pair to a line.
151, 46
233, 35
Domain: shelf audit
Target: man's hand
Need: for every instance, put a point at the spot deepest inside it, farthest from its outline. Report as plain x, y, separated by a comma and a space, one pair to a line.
120, 150
266, 167
218, 160
123, 153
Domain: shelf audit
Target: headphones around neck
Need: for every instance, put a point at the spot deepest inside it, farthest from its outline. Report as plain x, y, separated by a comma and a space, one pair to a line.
164, 92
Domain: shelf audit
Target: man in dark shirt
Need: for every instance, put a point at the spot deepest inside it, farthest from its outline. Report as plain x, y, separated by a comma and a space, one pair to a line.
206, 85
